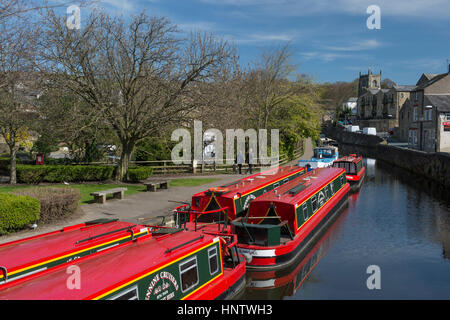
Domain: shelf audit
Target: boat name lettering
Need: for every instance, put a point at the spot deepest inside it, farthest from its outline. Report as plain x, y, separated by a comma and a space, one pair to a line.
161, 291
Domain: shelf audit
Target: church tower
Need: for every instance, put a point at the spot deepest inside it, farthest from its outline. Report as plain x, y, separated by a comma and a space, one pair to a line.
368, 81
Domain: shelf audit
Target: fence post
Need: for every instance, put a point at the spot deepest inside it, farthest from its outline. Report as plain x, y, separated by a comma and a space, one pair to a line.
194, 166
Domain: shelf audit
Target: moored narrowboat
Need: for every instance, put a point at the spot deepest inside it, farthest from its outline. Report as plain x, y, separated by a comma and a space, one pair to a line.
323, 157
354, 170
233, 199
164, 264
277, 284
28, 256
284, 224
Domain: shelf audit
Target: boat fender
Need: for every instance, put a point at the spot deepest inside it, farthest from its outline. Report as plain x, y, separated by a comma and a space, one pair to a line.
248, 257
223, 244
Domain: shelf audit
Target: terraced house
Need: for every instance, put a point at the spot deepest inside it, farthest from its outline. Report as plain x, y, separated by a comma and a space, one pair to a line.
425, 118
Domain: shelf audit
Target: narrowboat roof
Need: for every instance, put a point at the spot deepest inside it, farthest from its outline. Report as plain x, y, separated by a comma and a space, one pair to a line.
39, 249
254, 182
101, 273
350, 158
301, 188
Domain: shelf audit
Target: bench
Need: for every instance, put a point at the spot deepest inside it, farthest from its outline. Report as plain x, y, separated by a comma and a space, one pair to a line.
100, 196
152, 186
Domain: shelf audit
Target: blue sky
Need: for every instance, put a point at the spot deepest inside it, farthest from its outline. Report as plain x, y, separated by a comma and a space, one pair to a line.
329, 38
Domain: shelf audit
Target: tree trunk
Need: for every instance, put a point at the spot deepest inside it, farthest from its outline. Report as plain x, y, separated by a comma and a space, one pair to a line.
12, 173
122, 169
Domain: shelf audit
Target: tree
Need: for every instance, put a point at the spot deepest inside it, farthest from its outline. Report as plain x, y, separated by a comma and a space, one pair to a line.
139, 76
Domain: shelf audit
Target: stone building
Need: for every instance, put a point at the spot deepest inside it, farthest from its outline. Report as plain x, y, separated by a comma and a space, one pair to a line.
424, 121
378, 107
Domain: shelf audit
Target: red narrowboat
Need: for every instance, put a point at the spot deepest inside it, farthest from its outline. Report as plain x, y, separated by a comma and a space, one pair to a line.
234, 198
32, 255
156, 263
354, 170
284, 224
280, 283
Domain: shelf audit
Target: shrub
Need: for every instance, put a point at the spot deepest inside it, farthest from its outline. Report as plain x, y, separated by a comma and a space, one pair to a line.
139, 173
17, 211
55, 203
34, 174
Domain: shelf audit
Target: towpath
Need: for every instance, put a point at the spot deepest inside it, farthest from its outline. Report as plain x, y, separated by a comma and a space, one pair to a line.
142, 207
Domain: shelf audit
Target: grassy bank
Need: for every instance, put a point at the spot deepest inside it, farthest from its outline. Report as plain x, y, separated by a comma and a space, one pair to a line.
87, 189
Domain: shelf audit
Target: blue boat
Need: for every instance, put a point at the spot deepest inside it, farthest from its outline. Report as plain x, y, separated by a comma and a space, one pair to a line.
323, 157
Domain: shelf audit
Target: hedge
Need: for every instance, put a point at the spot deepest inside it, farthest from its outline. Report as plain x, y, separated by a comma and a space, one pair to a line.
34, 174
55, 203
136, 174
17, 212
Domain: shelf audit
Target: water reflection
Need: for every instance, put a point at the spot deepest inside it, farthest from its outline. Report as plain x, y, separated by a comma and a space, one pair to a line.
398, 221
275, 285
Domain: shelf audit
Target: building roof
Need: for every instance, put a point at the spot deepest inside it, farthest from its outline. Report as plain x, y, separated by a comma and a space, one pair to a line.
434, 78
440, 101
404, 87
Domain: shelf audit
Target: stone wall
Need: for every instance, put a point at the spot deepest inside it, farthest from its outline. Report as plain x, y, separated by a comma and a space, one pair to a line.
434, 165
382, 125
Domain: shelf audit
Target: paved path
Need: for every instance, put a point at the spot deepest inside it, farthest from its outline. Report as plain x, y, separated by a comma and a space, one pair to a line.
141, 207
134, 208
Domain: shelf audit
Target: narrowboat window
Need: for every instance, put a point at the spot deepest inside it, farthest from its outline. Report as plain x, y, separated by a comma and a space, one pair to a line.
327, 196
342, 180
305, 212
213, 263
314, 203
129, 294
276, 185
331, 187
286, 180
189, 274
197, 202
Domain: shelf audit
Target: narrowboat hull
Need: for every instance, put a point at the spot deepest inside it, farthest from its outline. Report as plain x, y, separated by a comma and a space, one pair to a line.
277, 284
278, 257
355, 184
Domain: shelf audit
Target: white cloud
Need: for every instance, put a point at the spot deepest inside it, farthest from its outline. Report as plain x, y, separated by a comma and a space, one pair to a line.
362, 45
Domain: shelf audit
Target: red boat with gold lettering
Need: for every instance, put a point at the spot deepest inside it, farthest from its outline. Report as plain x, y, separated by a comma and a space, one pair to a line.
115, 260
283, 224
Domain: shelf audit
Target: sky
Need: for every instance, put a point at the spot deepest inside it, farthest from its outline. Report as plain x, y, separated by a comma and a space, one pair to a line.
329, 39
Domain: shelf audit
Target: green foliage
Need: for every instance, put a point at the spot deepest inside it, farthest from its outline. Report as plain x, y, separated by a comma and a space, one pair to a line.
137, 174
34, 174
153, 149
296, 118
45, 145
55, 203
17, 211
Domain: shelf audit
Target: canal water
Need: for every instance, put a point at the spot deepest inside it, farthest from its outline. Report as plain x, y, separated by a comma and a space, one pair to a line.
394, 235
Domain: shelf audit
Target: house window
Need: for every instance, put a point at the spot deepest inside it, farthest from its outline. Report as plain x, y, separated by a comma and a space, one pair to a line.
189, 274
447, 116
129, 294
415, 114
213, 262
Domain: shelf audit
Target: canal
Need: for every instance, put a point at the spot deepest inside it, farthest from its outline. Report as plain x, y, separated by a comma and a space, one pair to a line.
395, 234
